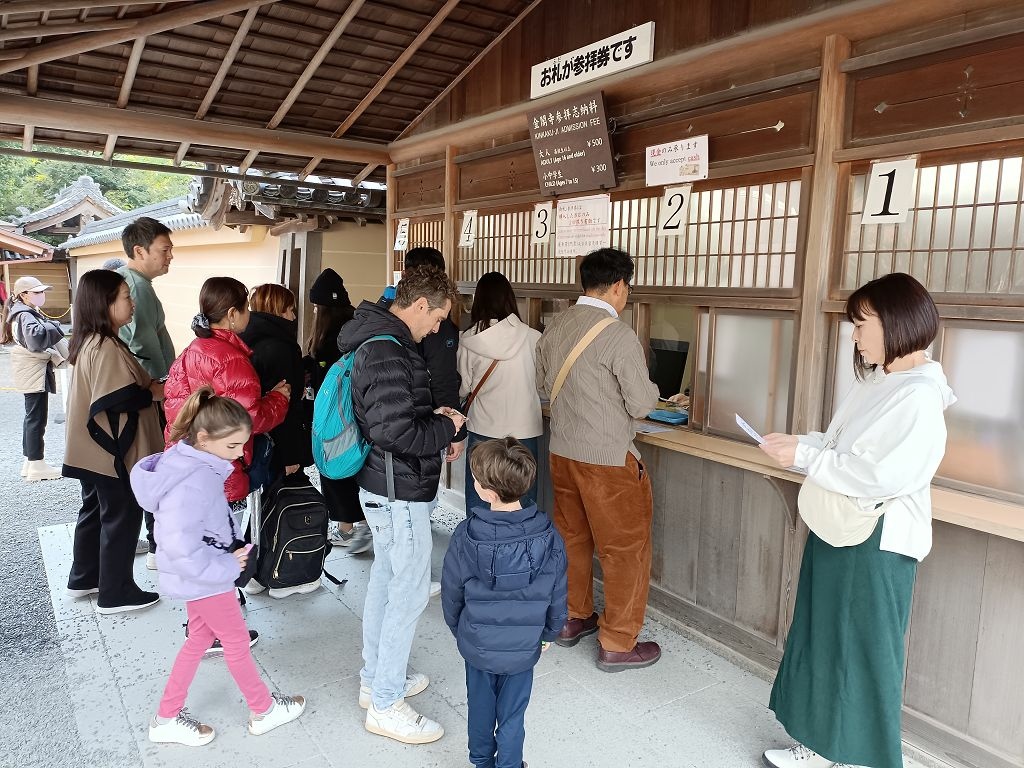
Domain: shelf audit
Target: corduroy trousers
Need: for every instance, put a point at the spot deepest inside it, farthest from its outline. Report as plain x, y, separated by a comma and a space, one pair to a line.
607, 510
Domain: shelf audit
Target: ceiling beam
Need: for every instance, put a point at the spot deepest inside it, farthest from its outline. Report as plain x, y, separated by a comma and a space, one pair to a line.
36, 30
149, 25
108, 147
129, 74
37, 6
479, 57
60, 115
30, 135
364, 174
32, 81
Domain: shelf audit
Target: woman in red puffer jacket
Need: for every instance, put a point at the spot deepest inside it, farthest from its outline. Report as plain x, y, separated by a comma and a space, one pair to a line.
220, 359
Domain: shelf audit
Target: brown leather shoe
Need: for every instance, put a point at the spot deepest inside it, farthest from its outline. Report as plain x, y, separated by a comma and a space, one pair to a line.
642, 655
575, 630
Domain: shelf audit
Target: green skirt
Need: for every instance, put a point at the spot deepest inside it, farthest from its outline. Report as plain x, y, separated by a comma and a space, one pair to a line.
839, 689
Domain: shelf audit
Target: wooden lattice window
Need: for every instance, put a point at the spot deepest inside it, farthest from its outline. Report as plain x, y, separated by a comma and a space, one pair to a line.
422, 233
503, 245
963, 235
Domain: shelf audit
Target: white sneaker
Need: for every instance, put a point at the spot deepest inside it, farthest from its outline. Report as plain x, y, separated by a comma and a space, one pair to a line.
361, 539
284, 710
301, 589
40, 470
24, 467
797, 756
253, 587
402, 723
142, 547
151, 561
82, 592
414, 683
184, 729
435, 589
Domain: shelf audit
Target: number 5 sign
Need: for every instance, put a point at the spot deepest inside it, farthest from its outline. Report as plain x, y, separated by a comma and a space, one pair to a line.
890, 192
673, 214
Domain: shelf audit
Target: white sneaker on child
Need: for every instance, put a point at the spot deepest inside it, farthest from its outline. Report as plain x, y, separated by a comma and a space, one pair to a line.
284, 710
414, 683
435, 589
797, 756
184, 729
402, 723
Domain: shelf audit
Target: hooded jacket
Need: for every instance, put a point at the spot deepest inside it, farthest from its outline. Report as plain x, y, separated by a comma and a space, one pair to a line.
33, 356
508, 403
885, 444
504, 588
222, 361
276, 356
393, 406
184, 488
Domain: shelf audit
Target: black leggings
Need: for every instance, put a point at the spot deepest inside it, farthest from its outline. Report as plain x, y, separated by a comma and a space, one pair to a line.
36, 406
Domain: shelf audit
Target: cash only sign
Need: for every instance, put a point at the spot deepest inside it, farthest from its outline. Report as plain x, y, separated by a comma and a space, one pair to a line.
571, 146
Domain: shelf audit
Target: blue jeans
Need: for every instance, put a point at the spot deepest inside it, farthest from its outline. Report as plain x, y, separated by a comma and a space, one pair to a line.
398, 591
472, 497
497, 708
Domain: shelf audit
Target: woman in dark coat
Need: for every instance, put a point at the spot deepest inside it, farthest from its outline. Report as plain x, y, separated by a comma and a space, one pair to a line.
331, 310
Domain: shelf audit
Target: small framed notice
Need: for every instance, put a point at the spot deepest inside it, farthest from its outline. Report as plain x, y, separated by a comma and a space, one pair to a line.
678, 161
674, 211
890, 191
402, 235
540, 229
467, 233
584, 225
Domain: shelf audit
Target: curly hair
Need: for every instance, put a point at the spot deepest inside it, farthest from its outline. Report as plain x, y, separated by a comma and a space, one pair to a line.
428, 283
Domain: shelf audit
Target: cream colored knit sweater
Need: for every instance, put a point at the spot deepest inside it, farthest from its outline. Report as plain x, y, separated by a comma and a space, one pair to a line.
609, 386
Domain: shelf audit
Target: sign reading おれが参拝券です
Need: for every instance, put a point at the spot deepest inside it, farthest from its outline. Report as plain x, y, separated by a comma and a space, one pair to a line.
605, 57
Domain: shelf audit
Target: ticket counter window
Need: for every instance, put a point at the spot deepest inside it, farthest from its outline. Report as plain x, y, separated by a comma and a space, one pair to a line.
670, 359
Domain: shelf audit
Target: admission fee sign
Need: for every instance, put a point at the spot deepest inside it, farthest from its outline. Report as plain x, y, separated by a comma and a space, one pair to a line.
583, 225
571, 146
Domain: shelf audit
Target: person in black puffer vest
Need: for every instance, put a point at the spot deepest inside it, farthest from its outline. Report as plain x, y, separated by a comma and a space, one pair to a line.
394, 410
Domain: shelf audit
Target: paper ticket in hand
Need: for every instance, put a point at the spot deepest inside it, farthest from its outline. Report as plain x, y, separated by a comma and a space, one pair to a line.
749, 429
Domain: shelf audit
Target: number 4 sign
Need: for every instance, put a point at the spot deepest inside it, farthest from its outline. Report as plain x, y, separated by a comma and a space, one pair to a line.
468, 231
673, 215
890, 192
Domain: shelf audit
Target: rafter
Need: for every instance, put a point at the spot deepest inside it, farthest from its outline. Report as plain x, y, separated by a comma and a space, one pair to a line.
129, 74
108, 147
149, 25
30, 135
35, 30
32, 81
364, 174
37, 6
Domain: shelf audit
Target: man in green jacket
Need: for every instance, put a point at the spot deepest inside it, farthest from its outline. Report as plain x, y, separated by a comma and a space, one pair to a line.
147, 243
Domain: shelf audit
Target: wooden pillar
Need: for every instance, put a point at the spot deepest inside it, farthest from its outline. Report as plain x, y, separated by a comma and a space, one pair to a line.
451, 227
390, 202
823, 231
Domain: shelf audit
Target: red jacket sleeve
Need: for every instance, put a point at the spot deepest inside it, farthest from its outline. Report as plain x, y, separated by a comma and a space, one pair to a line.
237, 379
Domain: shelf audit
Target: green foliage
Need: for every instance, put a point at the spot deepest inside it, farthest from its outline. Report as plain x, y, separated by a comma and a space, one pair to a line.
34, 183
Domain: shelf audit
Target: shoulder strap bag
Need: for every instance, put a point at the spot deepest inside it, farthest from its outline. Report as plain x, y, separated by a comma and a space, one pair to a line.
478, 387
581, 345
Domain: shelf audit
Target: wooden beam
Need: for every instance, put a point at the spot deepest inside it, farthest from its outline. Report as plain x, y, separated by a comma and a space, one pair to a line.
149, 25
440, 97
310, 167
823, 231
227, 61
450, 229
32, 81
30, 134
386, 78
108, 148
250, 158
307, 74
47, 113
363, 174
37, 6
36, 30
129, 74
179, 156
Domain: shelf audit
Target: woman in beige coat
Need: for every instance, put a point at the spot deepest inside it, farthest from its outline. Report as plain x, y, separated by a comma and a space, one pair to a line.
39, 348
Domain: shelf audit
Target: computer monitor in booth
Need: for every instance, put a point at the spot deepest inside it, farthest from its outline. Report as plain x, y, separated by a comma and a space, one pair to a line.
668, 363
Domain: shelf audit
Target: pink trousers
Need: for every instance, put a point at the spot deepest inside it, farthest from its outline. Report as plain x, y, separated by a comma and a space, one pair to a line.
219, 617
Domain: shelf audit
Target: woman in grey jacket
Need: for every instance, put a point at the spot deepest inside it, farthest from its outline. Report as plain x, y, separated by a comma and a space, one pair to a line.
39, 348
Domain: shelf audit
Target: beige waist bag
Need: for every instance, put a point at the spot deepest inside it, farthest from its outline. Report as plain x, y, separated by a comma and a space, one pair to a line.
834, 518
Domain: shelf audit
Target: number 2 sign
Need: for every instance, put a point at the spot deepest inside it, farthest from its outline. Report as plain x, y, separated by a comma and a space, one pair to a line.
890, 192
674, 212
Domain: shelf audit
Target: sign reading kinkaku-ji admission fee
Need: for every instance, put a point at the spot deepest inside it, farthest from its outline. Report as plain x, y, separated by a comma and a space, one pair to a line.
571, 146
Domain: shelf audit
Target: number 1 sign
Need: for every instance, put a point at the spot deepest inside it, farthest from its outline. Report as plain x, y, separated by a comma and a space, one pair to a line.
674, 212
890, 192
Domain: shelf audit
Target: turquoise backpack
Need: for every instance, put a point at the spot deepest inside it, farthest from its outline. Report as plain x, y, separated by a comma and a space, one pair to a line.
339, 448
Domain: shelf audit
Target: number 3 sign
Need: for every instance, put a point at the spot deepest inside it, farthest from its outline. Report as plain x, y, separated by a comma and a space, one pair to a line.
674, 212
890, 192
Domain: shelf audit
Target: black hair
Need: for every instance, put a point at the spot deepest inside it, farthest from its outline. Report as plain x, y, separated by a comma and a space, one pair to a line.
494, 299
601, 269
96, 292
424, 257
143, 231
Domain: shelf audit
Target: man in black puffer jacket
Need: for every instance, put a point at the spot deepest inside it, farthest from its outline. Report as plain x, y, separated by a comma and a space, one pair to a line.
393, 406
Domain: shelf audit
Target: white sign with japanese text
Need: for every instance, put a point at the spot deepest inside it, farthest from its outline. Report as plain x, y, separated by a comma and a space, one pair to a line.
540, 229
677, 161
605, 57
890, 192
674, 211
467, 233
583, 225
402, 235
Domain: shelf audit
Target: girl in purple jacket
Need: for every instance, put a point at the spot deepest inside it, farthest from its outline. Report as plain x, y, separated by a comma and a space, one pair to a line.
199, 559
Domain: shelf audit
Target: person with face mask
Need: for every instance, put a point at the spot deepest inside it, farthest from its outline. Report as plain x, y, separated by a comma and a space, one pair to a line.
39, 348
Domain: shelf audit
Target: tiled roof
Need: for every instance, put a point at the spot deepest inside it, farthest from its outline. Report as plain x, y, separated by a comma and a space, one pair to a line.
172, 213
69, 197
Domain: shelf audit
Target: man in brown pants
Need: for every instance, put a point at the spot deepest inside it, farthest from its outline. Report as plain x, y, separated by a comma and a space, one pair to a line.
602, 490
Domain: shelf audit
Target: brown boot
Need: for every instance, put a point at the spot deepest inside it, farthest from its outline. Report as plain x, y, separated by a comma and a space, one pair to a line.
575, 630
642, 655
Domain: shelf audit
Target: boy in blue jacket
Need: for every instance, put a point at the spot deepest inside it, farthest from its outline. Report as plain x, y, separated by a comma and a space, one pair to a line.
503, 591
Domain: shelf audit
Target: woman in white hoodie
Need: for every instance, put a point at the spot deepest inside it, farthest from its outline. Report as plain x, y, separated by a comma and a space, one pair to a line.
501, 347
838, 691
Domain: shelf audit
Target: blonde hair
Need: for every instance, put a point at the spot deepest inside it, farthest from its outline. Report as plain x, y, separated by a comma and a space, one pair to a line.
504, 466
271, 298
206, 411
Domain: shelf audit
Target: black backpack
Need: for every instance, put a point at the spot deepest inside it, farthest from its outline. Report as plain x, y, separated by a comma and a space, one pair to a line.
293, 539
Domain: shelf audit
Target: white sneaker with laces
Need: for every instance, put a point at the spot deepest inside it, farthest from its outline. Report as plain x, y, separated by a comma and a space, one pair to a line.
435, 588
151, 561
797, 756
414, 683
402, 723
253, 587
301, 589
284, 710
184, 729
